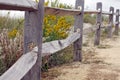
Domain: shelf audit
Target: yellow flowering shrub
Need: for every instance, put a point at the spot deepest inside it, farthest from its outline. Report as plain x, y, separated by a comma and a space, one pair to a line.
56, 27
12, 33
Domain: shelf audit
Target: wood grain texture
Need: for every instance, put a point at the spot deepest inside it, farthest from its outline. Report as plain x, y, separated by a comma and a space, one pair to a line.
49, 48
30, 34
116, 32
30, 29
61, 11
21, 67
110, 23
78, 24
22, 5
34, 34
98, 24
37, 68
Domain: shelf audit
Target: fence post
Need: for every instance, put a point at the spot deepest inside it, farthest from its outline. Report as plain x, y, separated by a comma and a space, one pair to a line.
33, 34
110, 22
79, 25
98, 24
117, 23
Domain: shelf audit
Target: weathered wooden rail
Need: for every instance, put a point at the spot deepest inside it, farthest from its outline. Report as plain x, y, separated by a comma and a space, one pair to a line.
23, 5
28, 67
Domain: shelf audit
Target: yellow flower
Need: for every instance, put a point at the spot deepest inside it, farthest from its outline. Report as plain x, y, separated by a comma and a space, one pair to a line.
46, 3
56, 27
12, 34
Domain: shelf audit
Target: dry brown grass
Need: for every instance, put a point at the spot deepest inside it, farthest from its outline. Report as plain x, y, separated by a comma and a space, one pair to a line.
102, 72
11, 50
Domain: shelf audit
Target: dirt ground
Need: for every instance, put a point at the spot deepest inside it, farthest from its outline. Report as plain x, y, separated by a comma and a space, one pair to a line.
99, 63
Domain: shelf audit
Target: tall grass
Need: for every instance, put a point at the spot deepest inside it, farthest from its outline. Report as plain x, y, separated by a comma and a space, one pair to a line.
10, 49
11, 42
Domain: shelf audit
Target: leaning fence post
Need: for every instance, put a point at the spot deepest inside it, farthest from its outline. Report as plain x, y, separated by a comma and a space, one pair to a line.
79, 25
117, 23
110, 22
33, 34
98, 24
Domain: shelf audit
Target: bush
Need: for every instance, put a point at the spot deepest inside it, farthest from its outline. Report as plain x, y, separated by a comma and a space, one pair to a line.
88, 18
56, 27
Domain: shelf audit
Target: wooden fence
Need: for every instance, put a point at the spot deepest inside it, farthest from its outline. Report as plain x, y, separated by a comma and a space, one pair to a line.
28, 67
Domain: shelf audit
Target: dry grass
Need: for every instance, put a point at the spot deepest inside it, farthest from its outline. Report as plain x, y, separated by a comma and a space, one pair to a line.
11, 50
72, 69
101, 72
51, 74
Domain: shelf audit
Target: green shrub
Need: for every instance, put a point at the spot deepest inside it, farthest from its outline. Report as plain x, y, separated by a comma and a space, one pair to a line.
88, 18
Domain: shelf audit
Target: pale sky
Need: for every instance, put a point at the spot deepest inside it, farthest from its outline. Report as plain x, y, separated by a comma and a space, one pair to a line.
89, 4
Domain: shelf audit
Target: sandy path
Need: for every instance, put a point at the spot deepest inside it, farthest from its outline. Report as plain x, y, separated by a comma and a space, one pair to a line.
110, 68
99, 64
111, 55
108, 65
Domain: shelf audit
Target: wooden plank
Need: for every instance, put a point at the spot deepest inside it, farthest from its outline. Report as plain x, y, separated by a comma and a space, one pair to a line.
99, 22
49, 48
116, 32
21, 67
23, 5
61, 11
107, 13
96, 12
78, 24
110, 22
91, 11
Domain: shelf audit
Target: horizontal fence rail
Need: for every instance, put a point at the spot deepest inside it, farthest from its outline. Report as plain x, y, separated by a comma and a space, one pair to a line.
23, 5
28, 5
21, 67
61, 11
55, 46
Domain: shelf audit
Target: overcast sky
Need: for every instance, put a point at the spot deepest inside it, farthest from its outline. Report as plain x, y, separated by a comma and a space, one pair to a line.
89, 4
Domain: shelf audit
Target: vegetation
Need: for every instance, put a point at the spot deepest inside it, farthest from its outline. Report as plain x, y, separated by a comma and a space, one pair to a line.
10, 49
88, 18
55, 28
11, 37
